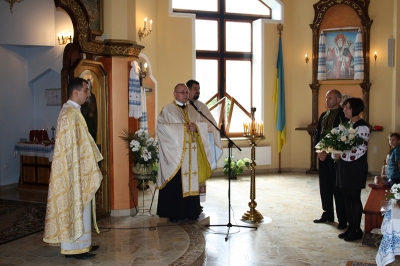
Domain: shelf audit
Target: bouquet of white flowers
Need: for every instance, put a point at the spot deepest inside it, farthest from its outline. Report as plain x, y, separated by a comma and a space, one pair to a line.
339, 139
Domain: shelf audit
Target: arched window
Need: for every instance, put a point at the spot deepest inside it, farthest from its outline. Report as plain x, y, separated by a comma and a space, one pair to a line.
224, 55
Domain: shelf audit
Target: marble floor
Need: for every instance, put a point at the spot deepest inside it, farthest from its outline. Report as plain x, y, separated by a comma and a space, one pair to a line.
287, 236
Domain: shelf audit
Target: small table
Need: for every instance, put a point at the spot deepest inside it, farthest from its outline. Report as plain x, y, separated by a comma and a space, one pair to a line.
35, 164
34, 149
390, 244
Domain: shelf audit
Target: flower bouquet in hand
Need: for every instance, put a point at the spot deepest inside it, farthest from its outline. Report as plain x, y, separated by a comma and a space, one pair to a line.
339, 139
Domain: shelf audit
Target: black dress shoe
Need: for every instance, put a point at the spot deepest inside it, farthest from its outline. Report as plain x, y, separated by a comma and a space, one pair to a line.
83, 256
354, 235
345, 233
322, 220
95, 247
342, 226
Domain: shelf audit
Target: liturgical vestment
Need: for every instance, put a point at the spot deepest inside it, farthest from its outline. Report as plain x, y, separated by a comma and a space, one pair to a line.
74, 179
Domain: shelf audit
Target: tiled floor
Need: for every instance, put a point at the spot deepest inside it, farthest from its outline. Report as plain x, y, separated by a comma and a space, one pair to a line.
287, 236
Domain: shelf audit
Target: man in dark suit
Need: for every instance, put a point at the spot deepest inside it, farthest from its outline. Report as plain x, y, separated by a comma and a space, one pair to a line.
327, 168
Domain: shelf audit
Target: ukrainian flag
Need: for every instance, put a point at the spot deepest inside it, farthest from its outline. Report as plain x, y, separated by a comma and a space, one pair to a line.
279, 100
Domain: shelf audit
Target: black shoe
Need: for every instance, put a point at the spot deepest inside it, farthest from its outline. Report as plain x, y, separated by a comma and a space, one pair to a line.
342, 226
95, 247
83, 256
173, 220
345, 233
322, 219
354, 235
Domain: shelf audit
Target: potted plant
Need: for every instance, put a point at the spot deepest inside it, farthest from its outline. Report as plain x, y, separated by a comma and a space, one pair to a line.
237, 167
143, 151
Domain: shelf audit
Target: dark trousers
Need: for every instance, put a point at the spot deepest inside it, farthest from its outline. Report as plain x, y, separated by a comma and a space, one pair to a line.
354, 207
329, 191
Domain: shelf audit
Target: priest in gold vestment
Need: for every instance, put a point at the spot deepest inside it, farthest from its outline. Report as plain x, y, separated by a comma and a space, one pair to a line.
74, 179
184, 158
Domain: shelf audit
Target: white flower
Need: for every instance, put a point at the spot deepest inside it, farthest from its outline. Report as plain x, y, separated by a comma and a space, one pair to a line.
334, 131
343, 138
351, 136
342, 127
352, 130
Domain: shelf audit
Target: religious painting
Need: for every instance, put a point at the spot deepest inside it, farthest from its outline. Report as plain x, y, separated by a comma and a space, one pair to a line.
340, 53
95, 11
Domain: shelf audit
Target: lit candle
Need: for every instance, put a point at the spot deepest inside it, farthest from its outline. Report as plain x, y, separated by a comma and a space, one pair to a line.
145, 65
306, 55
145, 20
151, 23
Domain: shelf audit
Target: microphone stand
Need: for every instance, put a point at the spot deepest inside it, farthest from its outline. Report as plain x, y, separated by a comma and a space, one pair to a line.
230, 145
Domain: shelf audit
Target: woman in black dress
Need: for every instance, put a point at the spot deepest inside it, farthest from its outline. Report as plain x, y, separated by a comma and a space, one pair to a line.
352, 170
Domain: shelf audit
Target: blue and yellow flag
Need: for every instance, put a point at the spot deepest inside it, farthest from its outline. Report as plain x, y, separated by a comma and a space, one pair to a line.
279, 100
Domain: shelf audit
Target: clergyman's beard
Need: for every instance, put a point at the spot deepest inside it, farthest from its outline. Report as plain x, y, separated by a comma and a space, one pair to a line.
196, 97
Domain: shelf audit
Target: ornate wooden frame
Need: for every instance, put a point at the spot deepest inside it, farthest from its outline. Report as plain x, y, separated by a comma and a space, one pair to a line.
321, 9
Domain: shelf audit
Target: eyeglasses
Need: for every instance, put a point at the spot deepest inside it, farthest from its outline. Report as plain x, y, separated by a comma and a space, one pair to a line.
183, 92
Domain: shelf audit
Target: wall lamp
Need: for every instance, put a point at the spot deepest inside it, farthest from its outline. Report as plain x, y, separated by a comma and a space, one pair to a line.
306, 58
142, 33
375, 56
64, 38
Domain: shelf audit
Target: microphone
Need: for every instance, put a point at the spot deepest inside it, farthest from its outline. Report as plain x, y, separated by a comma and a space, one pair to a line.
192, 104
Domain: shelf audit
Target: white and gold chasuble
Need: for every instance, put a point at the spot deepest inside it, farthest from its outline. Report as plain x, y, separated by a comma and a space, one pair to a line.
181, 149
74, 179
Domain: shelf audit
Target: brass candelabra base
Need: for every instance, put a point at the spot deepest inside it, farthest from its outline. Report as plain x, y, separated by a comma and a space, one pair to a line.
253, 215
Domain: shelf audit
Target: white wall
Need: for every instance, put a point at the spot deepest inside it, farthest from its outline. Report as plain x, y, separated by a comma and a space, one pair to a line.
31, 62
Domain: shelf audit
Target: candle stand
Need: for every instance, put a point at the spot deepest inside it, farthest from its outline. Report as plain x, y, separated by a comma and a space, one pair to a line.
253, 132
253, 215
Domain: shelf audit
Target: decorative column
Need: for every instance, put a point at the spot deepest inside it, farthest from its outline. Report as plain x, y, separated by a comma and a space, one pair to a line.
253, 133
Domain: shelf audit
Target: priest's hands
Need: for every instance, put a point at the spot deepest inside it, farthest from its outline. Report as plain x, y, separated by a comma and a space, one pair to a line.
191, 127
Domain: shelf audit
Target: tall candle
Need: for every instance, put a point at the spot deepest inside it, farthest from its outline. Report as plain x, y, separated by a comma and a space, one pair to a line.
151, 23
145, 20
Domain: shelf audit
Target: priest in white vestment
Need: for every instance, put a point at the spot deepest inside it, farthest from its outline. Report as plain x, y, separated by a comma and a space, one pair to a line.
184, 158
74, 179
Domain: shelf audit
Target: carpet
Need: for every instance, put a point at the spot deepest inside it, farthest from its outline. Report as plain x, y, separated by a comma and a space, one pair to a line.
20, 219
372, 240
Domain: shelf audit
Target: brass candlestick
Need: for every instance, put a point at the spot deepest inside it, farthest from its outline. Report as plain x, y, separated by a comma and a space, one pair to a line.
253, 215
253, 136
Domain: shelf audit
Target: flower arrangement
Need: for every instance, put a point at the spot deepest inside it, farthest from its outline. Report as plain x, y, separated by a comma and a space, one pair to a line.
142, 150
394, 193
237, 167
340, 139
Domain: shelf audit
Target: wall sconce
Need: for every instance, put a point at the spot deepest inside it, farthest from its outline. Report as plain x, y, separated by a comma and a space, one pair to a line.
306, 58
63, 38
142, 33
375, 56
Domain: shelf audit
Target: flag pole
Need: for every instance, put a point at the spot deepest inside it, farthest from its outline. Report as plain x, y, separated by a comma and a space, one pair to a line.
280, 29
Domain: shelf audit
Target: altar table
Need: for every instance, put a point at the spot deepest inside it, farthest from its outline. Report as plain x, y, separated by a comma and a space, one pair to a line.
34, 149
35, 164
